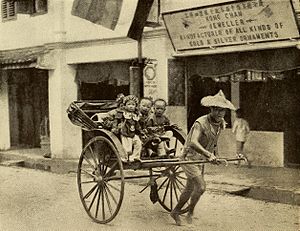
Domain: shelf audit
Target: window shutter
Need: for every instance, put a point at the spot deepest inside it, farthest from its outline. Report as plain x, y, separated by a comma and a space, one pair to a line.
8, 9
4, 9
11, 11
25, 6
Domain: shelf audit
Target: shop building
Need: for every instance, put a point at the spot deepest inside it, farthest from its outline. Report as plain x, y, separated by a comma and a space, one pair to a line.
250, 50
75, 59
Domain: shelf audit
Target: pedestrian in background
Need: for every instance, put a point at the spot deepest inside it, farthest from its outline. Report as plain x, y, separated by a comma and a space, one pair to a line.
241, 130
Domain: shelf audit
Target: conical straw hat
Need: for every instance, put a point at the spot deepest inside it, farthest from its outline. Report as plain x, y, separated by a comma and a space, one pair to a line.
217, 100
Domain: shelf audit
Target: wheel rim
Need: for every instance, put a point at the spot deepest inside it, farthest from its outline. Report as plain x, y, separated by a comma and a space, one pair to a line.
172, 180
100, 180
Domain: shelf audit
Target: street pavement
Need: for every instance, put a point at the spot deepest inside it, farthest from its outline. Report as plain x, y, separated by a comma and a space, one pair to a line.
34, 200
266, 183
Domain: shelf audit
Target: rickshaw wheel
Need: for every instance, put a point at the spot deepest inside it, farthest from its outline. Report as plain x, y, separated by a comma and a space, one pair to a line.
172, 179
170, 186
100, 179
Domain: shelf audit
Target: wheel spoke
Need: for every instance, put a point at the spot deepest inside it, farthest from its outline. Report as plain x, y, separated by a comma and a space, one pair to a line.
103, 211
181, 177
180, 182
92, 202
88, 182
88, 161
175, 191
162, 184
93, 155
104, 169
114, 187
166, 190
180, 190
110, 193
176, 168
90, 192
91, 174
113, 168
98, 201
107, 200
171, 196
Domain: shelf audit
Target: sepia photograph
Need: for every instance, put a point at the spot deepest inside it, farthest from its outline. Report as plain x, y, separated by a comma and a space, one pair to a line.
141, 115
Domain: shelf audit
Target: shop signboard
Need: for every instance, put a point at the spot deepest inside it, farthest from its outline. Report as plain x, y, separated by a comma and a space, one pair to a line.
233, 23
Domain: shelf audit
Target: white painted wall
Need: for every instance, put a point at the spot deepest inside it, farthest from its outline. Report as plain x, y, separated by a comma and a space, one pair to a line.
262, 148
28, 31
65, 138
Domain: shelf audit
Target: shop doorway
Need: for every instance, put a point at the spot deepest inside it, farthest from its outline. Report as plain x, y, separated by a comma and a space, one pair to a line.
199, 87
28, 106
273, 106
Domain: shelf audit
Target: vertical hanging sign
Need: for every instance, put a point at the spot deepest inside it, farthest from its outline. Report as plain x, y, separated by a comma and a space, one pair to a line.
150, 81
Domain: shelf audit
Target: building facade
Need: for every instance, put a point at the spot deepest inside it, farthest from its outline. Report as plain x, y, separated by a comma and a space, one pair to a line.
50, 58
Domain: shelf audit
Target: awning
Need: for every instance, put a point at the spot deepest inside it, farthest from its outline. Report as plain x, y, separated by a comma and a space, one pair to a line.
40, 58
115, 73
218, 65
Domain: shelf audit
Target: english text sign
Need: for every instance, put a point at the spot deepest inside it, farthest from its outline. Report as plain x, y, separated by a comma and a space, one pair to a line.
231, 24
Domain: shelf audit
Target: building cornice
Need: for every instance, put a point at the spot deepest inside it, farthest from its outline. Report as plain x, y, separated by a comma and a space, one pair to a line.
153, 34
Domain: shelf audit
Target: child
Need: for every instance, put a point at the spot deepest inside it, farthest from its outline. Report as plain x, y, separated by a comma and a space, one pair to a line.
126, 125
241, 130
144, 108
156, 122
146, 136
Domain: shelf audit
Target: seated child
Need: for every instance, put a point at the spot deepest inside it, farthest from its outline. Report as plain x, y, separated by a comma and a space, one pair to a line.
126, 125
144, 108
156, 122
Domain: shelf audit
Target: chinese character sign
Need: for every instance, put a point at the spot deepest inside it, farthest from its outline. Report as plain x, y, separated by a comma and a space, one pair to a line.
231, 24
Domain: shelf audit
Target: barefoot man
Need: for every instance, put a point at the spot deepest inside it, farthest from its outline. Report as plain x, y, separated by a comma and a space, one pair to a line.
201, 144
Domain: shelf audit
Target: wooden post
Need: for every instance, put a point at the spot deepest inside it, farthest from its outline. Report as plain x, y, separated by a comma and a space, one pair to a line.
136, 73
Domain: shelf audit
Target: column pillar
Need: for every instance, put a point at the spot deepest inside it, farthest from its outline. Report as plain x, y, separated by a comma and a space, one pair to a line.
4, 112
235, 97
65, 138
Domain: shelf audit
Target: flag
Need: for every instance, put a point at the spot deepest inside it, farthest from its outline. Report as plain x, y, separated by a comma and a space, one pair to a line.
102, 12
107, 13
140, 18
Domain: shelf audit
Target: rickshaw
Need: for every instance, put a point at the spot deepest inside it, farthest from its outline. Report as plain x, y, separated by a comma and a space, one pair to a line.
101, 173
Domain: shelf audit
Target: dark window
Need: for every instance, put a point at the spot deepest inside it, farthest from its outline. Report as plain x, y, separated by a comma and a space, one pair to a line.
32, 7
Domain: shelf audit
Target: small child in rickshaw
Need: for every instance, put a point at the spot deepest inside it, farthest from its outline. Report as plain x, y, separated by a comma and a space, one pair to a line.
155, 125
145, 108
145, 135
126, 126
